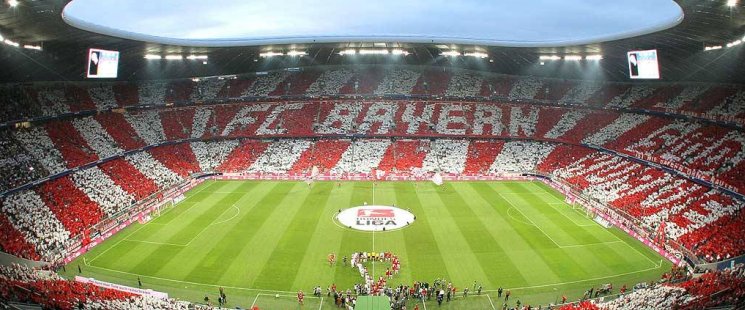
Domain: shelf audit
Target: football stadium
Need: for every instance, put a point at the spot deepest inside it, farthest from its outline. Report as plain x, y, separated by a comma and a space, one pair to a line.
572, 155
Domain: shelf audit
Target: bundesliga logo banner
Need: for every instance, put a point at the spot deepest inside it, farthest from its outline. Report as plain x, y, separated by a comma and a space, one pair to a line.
375, 218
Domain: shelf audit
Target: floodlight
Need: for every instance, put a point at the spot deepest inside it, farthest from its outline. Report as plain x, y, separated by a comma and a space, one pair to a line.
348, 52
374, 52
197, 57
269, 54
32, 47
174, 57
477, 54
594, 57
13, 3
153, 57
12, 43
573, 57
296, 53
451, 53
549, 57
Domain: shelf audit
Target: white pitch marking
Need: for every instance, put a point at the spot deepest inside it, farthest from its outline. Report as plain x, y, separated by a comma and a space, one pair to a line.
192, 283
232, 217
567, 217
583, 280
152, 242
536, 226
490, 302
116, 244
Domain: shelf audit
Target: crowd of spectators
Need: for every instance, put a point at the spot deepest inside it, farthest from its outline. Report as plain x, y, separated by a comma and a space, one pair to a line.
211, 154
17, 165
525, 89
98, 139
102, 190
206, 89
708, 151
28, 214
103, 97
329, 82
397, 81
265, 84
464, 84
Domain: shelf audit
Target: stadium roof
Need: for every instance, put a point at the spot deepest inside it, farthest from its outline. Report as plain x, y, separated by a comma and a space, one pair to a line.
707, 23
514, 23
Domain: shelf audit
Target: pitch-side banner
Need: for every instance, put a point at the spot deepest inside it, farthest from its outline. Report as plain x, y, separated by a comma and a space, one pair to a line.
122, 288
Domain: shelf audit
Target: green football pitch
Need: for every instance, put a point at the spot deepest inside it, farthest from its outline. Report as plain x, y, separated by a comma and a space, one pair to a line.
264, 240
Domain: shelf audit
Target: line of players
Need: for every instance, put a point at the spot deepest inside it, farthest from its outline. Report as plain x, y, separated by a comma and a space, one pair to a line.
441, 290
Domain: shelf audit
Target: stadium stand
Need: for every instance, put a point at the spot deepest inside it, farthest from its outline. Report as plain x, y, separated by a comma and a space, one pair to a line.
601, 139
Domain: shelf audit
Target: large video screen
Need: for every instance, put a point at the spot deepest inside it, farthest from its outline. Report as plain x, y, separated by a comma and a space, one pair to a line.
643, 64
102, 64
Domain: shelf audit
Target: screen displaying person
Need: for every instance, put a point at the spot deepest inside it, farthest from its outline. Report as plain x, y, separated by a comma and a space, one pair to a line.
94, 59
634, 64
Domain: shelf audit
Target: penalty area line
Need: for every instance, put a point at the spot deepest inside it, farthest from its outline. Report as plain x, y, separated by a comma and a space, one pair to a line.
116, 244
194, 283
490, 302
580, 281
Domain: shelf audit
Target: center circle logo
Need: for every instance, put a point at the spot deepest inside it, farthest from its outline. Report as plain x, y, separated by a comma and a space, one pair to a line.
375, 218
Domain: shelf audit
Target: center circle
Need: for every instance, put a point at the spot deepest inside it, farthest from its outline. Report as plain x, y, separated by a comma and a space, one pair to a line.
375, 218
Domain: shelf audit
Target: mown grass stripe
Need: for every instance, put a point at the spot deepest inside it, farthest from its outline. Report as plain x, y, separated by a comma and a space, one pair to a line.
256, 248
424, 256
242, 244
482, 244
325, 239
460, 261
526, 259
351, 240
561, 230
559, 261
206, 261
285, 259
193, 226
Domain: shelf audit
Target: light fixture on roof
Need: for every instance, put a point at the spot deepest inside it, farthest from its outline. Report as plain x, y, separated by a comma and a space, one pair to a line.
451, 53
549, 57
594, 57
13, 3
476, 54
734, 43
11, 43
373, 52
731, 3
294, 53
398, 51
32, 47
573, 57
349, 51
269, 54
197, 57
152, 57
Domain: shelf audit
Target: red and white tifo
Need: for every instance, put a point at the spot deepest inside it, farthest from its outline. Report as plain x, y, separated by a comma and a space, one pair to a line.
375, 218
